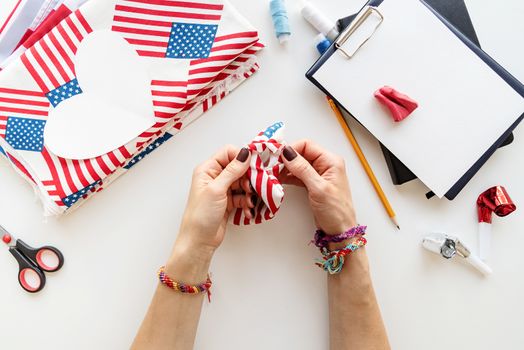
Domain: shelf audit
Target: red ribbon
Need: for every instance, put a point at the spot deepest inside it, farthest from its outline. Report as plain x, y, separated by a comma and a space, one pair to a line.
494, 200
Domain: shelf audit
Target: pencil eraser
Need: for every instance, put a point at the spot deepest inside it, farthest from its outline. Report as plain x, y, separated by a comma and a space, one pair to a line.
399, 105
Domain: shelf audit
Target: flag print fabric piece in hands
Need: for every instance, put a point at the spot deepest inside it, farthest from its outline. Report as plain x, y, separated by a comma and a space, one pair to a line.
266, 164
195, 53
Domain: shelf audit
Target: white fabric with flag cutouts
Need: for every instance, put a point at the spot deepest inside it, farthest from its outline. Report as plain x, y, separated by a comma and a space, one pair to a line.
108, 65
265, 166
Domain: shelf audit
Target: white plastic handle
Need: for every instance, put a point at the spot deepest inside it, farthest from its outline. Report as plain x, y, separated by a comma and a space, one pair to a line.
484, 240
479, 264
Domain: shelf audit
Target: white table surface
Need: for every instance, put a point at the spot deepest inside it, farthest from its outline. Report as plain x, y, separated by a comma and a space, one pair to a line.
267, 293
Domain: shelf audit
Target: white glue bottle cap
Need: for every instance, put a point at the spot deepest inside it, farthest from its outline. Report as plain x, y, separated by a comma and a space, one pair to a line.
318, 20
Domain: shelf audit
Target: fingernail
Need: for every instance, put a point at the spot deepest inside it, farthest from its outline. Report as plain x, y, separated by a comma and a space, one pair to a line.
252, 211
289, 153
243, 154
254, 199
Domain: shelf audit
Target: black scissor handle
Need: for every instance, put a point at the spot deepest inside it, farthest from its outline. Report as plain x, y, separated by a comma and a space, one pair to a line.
41, 256
30, 277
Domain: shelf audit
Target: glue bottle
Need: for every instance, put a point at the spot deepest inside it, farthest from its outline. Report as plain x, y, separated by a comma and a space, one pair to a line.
318, 20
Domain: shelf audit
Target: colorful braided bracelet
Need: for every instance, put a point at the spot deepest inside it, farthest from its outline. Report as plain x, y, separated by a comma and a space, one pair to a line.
322, 239
333, 261
183, 288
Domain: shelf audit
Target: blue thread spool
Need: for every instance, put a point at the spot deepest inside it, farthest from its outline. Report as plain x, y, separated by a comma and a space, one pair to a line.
280, 20
322, 43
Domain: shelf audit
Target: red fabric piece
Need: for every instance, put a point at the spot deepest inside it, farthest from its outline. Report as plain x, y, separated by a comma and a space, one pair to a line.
28, 33
400, 106
54, 17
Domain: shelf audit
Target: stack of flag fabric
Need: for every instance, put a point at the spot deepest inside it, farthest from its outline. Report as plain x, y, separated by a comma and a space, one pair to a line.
209, 38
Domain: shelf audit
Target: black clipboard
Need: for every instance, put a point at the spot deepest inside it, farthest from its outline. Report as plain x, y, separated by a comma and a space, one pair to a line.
505, 75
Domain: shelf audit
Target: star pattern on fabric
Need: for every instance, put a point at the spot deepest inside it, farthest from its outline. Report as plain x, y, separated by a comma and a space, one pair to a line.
25, 134
73, 198
158, 142
62, 93
191, 40
270, 131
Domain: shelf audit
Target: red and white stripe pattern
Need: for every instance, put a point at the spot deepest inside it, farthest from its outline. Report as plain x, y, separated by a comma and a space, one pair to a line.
266, 164
147, 24
226, 49
3, 125
54, 194
20, 166
50, 60
21, 104
70, 175
228, 72
169, 98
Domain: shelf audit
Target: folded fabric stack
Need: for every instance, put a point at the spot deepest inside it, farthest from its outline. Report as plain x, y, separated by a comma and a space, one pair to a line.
207, 43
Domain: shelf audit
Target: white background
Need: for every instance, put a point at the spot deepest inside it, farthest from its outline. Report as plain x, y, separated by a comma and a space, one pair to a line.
267, 293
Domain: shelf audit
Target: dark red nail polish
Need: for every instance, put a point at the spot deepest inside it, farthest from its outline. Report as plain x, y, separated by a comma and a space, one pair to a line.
243, 154
289, 153
254, 199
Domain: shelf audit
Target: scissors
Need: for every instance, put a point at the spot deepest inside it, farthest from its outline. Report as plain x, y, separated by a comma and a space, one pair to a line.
32, 262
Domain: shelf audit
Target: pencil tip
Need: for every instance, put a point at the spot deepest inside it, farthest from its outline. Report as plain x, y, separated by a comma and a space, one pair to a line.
398, 227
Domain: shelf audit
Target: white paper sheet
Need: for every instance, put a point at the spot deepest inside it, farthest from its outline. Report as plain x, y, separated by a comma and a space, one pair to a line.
115, 105
464, 106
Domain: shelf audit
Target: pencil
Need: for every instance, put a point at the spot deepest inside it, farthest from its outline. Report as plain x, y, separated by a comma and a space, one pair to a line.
364, 162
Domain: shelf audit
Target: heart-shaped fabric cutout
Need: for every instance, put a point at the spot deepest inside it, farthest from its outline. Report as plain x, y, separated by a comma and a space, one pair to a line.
115, 106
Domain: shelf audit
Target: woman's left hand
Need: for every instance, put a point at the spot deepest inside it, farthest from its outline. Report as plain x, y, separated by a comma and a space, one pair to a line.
218, 187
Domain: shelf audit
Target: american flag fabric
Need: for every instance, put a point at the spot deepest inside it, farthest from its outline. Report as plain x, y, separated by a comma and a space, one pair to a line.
209, 38
50, 60
22, 118
265, 166
168, 28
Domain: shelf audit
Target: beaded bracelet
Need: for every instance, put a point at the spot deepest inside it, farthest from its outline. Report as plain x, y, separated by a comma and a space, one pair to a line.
333, 261
183, 288
322, 239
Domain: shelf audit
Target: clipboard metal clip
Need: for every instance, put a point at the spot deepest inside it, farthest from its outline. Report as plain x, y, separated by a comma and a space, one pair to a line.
361, 18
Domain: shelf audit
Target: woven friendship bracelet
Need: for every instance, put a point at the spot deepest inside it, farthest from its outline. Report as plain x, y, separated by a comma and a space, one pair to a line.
183, 288
333, 261
322, 239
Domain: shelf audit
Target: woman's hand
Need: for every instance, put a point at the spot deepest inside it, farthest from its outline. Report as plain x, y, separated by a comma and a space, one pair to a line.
324, 176
217, 188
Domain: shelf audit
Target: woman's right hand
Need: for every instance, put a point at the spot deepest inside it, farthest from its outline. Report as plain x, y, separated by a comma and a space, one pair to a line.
324, 176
